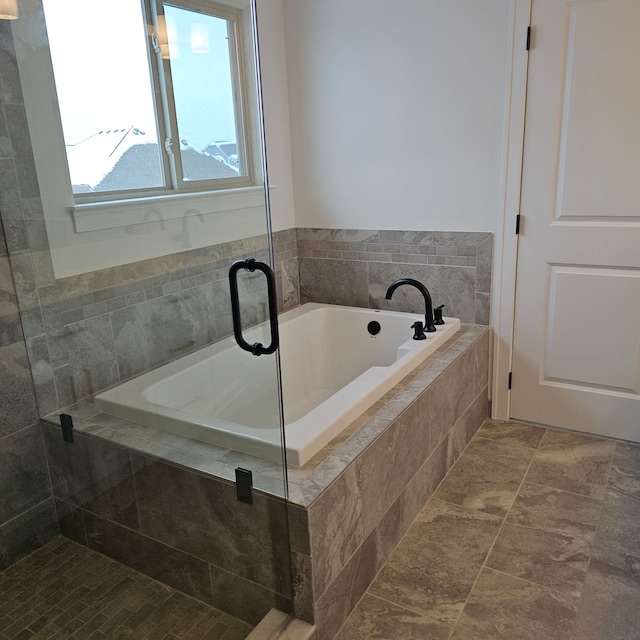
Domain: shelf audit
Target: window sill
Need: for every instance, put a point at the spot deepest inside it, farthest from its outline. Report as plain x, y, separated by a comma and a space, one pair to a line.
124, 213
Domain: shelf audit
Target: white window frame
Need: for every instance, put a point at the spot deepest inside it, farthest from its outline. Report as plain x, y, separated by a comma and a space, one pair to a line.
86, 234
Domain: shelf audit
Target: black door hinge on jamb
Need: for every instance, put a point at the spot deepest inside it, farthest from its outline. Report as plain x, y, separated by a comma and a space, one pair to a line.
244, 485
510, 378
518, 224
66, 423
528, 38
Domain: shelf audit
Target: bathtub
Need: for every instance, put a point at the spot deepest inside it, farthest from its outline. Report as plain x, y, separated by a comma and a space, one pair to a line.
333, 369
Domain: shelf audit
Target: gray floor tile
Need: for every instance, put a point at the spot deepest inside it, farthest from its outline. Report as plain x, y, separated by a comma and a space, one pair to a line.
625, 482
434, 567
547, 538
64, 591
487, 476
383, 620
572, 462
505, 608
547, 558
609, 603
516, 432
618, 529
627, 456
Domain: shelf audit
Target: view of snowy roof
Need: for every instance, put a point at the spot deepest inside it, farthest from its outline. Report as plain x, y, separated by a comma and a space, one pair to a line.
128, 158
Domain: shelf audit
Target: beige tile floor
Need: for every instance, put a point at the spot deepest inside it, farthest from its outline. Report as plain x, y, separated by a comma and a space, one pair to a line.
533, 535
65, 591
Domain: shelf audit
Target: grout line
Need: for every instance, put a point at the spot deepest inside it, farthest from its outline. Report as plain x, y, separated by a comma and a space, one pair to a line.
484, 563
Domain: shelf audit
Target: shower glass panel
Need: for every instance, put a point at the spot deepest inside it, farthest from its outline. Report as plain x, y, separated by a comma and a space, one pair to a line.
162, 433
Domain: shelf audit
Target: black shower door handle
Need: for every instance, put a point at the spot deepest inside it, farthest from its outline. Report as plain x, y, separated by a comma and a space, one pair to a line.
257, 348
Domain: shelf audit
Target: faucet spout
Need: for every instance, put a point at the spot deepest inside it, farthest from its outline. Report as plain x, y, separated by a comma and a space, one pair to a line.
429, 327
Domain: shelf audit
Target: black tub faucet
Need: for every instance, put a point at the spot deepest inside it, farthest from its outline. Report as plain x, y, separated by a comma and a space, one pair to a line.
429, 327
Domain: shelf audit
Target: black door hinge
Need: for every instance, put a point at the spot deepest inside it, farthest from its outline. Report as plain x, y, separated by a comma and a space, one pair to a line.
528, 38
517, 224
510, 378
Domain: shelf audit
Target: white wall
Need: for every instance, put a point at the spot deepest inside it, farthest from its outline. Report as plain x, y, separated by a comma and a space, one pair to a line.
276, 112
397, 112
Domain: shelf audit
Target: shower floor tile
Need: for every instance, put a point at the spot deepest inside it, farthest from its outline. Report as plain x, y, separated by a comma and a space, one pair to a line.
65, 591
563, 562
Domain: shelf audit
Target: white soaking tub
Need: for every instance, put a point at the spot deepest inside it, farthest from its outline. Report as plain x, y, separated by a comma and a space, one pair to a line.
333, 369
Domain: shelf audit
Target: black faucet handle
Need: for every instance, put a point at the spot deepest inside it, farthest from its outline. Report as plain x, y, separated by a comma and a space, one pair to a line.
418, 330
437, 315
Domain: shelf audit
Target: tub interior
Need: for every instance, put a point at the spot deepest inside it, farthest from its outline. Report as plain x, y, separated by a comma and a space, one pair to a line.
332, 370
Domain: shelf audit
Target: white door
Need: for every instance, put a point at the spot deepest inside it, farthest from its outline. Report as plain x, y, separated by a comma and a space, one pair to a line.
576, 357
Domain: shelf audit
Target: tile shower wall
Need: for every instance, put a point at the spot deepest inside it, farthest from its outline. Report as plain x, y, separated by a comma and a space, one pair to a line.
27, 515
182, 528
355, 267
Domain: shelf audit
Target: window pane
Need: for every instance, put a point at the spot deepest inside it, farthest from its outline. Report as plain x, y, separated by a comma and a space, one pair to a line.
103, 83
203, 92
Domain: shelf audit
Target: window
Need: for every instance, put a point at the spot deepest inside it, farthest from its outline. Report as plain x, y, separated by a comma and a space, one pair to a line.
144, 119
150, 96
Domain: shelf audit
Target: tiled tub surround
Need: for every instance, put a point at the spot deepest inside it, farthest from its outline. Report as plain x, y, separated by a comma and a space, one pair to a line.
355, 267
178, 526
348, 506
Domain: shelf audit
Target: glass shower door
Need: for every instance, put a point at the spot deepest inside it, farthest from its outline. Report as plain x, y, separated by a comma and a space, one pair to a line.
165, 438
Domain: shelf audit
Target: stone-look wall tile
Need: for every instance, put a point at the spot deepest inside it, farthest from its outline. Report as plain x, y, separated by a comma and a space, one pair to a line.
71, 521
144, 554
88, 348
180, 323
483, 308
94, 474
449, 396
17, 399
23, 472
203, 517
303, 599
130, 327
10, 328
244, 599
484, 257
460, 238
333, 282
467, 426
402, 449
298, 529
453, 287
481, 363
3, 244
336, 527
333, 607
338, 235
27, 532
288, 284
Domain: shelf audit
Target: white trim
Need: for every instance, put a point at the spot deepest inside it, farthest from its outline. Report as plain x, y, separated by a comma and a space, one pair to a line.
123, 213
505, 261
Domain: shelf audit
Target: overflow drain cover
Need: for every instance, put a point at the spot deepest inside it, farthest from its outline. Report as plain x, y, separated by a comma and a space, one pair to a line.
373, 328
